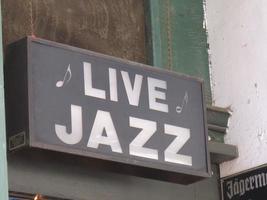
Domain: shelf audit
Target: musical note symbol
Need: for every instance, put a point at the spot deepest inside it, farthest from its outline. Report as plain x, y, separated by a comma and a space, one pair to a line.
66, 78
180, 108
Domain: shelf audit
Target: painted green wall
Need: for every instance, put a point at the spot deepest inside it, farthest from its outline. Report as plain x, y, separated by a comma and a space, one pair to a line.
3, 161
178, 39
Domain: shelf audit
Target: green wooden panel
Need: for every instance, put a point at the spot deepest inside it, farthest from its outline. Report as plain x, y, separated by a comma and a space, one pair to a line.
3, 161
218, 116
156, 35
178, 39
216, 136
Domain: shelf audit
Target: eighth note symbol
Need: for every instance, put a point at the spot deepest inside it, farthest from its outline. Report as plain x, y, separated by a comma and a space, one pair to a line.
66, 78
180, 108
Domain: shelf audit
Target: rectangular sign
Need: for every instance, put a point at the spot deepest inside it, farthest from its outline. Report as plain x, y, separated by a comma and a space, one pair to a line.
80, 102
250, 185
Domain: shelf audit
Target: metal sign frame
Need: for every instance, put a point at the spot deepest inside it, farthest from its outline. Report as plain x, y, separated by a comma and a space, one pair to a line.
24, 120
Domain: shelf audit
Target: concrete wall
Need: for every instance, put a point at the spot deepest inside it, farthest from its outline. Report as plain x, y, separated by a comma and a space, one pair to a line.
238, 44
111, 27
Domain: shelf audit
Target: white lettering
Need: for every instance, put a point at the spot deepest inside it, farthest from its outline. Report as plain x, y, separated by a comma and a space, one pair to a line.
103, 121
236, 187
153, 94
263, 179
136, 146
88, 88
251, 180
247, 184
113, 88
77, 128
230, 189
183, 135
242, 189
133, 92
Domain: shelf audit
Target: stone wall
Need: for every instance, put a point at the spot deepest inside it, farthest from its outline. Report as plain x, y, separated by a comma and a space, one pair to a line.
113, 27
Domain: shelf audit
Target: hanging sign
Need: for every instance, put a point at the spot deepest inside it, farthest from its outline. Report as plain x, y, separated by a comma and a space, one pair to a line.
250, 185
76, 101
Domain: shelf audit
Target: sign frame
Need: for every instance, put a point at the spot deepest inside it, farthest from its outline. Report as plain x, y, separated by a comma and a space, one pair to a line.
26, 119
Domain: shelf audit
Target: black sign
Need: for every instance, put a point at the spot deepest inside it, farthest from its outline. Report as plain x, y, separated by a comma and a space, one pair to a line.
80, 102
251, 185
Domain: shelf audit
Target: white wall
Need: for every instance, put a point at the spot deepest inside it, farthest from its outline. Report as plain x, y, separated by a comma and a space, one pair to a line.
238, 43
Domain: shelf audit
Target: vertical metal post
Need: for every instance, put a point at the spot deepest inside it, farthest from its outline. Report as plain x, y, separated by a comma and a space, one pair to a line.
3, 158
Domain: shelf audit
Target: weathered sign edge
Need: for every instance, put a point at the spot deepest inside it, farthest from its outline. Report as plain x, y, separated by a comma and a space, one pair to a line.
34, 143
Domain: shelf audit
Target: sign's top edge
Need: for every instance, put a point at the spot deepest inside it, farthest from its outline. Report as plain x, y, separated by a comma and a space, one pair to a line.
86, 51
